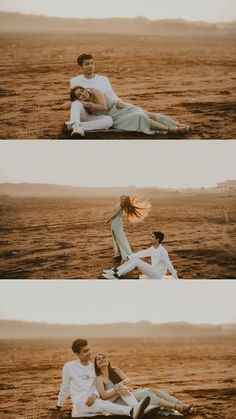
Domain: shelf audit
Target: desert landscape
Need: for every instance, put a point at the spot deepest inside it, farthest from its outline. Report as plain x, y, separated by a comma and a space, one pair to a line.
181, 69
65, 237
199, 370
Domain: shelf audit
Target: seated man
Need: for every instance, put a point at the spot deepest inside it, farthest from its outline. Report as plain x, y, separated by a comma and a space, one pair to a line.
79, 381
160, 261
80, 119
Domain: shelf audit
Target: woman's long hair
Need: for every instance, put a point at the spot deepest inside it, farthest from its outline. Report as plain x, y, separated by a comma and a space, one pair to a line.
136, 208
112, 374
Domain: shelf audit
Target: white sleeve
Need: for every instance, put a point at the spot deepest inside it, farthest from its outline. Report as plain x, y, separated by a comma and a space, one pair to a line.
110, 91
168, 264
71, 83
142, 254
65, 390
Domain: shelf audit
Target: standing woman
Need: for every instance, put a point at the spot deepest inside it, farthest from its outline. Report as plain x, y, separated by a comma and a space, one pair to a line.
135, 210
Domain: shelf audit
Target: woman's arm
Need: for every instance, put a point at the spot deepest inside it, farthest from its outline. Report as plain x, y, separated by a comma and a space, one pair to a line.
100, 105
114, 215
125, 379
104, 394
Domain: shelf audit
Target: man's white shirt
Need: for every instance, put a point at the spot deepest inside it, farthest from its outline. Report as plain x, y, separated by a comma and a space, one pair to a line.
159, 259
97, 82
78, 381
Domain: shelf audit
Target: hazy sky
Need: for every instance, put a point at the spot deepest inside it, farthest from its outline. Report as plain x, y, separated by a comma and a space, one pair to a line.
159, 302
206, 10
118, 163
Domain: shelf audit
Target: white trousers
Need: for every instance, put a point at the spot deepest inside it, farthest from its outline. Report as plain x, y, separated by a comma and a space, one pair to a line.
87, 121
100, 406
151, 271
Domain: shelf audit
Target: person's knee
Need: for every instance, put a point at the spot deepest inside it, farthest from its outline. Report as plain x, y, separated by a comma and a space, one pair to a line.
136, 262
77, 104
108, 121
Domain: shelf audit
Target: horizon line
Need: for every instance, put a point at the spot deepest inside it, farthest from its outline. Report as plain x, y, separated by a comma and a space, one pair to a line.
185, 322
114, 186
120, 17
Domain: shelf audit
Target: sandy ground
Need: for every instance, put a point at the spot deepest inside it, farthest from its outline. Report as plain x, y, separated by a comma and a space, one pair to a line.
196, 370
67, 238
191, 79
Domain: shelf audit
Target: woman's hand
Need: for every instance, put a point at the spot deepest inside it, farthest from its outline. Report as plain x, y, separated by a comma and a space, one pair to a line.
124, 391
120, 104
88, 105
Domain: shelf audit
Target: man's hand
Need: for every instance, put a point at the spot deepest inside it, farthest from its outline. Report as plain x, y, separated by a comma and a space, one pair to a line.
91, 400
66, 105
120, 104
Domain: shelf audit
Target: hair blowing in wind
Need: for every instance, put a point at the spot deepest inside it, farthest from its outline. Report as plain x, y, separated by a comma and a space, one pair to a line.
136, 208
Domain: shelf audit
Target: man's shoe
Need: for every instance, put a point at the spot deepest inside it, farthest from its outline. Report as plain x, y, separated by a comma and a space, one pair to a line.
151, 409
138, 410
109, 276
111, 271
77, 130
74, 413
67, 126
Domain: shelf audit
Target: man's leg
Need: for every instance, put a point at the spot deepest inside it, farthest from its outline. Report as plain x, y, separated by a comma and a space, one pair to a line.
94, 122
100, 406
77, 112
80, 117
144, 267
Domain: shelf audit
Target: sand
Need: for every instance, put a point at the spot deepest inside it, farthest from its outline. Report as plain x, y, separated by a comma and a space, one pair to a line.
190, 78
67, 238
197, 370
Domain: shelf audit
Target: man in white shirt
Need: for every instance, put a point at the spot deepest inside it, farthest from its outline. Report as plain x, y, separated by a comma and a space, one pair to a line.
160, 261
80, 119
78, 381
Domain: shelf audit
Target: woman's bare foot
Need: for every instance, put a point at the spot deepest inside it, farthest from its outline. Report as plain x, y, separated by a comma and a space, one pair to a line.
184, 408
188, 128
178, 130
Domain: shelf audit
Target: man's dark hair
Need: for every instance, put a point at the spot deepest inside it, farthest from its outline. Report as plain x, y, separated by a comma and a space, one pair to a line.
78, 344
159, 235
83, 57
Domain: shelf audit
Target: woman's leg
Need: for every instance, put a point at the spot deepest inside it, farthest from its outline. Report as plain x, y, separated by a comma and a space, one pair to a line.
153, 116
155, 400
166, 400
115, 245
161, 399
130, 400
162, 127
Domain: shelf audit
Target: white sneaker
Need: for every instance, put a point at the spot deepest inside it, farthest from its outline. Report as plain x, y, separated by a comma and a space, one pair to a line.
67, 126
109, 276
77, 130
138, 410
151, 409
108, 271
74, 413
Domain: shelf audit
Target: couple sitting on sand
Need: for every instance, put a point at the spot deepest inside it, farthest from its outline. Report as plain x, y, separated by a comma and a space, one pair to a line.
136, 209
97, 388
95, 106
